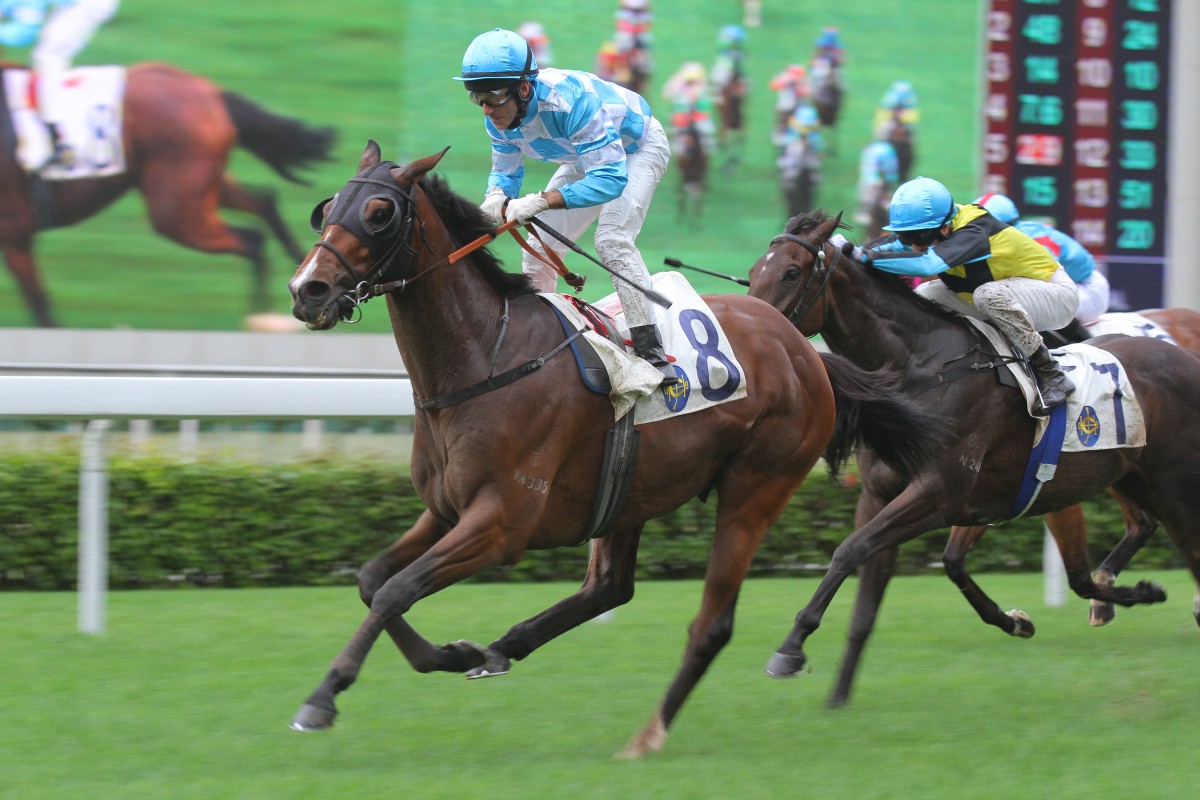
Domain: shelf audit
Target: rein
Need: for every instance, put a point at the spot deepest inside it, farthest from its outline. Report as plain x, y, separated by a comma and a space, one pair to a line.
799, 311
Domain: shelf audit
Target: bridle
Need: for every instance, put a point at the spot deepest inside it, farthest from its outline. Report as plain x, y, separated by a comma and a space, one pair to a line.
384, 241
820, 271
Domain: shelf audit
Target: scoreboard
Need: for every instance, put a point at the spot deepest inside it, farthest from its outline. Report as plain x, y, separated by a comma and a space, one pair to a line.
1076, 128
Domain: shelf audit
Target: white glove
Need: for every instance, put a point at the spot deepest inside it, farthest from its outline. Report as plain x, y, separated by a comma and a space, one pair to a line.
838, 241
493, 206
526, 208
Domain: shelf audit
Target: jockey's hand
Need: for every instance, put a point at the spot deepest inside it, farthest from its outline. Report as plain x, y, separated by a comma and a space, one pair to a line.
861, 256
526, 208
493, 206
839, 241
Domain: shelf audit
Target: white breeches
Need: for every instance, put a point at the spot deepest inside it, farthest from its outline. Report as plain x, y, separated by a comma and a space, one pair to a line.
1020, 307
1093, 298
618, 223
65, 34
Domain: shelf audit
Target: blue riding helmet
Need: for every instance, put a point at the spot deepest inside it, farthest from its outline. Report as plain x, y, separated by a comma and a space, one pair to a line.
731, 35
498, 55
830, 37
920, 204
999, 206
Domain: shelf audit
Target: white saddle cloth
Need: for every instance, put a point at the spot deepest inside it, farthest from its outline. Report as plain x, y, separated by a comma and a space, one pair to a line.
692, 335
1103, 412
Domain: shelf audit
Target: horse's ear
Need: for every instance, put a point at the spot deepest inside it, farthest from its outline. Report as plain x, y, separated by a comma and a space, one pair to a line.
826, 228
370, 156
410, 173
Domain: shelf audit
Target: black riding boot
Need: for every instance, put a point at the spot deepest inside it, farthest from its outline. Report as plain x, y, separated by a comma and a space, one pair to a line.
1053, 384
648, 346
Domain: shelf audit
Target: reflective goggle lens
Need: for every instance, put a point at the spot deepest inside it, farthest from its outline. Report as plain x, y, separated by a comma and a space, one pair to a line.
493, 99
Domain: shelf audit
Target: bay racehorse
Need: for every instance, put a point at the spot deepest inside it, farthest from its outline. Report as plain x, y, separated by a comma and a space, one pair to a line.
827, 97
179, 130
516, 468
875, 319
731, 121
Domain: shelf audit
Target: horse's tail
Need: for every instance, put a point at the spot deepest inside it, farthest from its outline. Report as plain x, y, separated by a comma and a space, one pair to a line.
281, 142
873, 411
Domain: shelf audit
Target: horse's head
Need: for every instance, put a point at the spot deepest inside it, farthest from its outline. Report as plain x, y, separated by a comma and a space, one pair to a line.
367, 237
796, 269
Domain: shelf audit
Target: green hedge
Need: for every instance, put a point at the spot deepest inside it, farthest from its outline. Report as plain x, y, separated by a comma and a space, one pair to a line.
313, 523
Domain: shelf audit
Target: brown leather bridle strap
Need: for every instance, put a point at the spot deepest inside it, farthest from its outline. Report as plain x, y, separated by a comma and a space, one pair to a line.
550, 257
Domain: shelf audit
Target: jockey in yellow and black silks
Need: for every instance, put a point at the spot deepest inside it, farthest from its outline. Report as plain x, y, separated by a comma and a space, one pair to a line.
985, 268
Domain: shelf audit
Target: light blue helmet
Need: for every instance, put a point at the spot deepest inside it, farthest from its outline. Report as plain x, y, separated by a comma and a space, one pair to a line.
999, 206
498, 55
920, 204
731, 35
830, 37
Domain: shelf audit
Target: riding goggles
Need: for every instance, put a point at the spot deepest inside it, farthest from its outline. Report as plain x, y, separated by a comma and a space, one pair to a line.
921, 238
493, 99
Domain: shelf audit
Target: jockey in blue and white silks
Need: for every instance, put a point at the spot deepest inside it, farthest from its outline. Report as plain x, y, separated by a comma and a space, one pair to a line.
611, 153
577, 120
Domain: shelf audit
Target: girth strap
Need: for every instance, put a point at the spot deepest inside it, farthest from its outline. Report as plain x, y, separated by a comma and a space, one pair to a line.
493, 381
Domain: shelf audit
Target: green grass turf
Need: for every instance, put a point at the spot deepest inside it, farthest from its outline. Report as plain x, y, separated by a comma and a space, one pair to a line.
190, 692
381, 69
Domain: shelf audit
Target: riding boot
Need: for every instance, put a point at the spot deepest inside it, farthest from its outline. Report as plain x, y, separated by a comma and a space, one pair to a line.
60, 154
648, 346
1052, 383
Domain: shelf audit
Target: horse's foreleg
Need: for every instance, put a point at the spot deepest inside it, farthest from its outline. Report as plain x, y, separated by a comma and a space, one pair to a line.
609, 583
24, 270
1139, 527
472, 545
954, 558
873, 578
905, 518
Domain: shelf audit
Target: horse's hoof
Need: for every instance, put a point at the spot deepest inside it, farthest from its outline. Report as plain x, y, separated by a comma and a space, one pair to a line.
494, 666
463, 655
783, 665
1022, 624
1100, 613
312, 718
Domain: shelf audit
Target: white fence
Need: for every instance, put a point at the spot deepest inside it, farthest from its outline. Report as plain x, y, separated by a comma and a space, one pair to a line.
99, 399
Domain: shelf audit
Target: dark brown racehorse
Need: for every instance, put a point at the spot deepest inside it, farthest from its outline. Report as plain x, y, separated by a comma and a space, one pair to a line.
827, 97
731, 121
516, 468
875, 319
179, 131
692, 162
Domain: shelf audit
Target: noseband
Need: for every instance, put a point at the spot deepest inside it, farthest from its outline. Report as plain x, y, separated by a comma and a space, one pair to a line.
383, 242
820, 271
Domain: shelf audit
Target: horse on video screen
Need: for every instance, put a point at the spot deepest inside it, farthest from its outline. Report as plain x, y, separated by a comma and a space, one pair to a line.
875, 318
690, 157
508, 442
179, 130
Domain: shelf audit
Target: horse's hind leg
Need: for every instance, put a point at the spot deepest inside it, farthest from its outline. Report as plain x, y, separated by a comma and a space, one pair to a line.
261, 203
954, 558
609, 583
1139, 527
183, 205
749, 503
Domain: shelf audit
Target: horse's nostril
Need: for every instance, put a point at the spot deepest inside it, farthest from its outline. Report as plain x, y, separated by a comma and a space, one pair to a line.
315, 290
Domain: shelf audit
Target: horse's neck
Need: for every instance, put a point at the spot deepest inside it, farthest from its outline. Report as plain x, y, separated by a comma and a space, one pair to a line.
446, 324
873, 327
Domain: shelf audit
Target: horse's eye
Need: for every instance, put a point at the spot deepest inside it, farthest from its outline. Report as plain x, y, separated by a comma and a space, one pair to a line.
380, 218
791, 274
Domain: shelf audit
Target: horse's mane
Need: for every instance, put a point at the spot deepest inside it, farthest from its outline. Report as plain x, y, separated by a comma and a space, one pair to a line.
467, 223
896, 286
